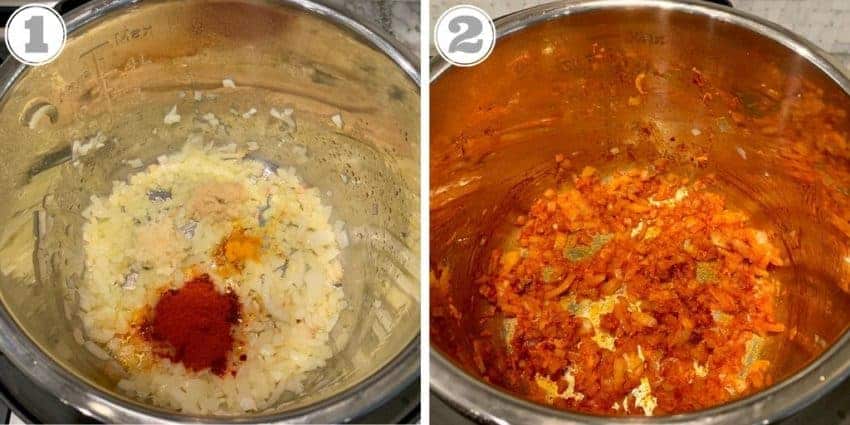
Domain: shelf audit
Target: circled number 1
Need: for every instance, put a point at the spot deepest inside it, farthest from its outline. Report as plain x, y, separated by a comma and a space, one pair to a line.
35, 27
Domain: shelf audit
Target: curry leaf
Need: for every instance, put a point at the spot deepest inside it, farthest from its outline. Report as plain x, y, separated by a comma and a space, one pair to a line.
576, 253
706, 272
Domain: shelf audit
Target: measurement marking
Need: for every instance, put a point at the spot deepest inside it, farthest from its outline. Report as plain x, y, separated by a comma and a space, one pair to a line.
94, 48
102, 83
99, 75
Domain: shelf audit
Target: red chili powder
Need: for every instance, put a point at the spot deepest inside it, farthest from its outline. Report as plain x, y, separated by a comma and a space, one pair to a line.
194, 324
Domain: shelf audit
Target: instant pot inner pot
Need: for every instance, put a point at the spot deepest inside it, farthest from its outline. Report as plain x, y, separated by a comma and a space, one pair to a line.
615, 88
71, 128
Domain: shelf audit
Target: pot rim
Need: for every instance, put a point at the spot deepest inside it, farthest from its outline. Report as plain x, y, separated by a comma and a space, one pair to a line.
489, 404
90, 400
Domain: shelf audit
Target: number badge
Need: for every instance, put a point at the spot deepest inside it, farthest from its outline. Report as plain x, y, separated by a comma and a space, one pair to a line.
35, 34
464, 35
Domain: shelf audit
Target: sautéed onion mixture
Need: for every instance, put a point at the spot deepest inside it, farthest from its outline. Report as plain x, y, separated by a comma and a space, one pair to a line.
637, 293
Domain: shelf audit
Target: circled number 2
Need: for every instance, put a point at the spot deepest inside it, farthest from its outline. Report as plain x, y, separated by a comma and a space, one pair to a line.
461, 42
464, 35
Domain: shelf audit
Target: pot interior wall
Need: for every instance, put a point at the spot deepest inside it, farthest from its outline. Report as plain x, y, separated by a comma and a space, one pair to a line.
121, 73
564, 87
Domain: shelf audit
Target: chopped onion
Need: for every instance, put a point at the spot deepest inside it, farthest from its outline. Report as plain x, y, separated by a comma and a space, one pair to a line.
172, 117
337, 120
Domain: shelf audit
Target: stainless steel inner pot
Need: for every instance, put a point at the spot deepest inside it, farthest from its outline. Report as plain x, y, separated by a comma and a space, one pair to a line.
496, 127
126, 63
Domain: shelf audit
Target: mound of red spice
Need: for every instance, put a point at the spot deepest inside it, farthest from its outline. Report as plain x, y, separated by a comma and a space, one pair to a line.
194, 325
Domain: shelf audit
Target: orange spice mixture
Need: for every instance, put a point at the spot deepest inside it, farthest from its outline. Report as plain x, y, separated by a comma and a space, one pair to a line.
235, 250
639, 293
